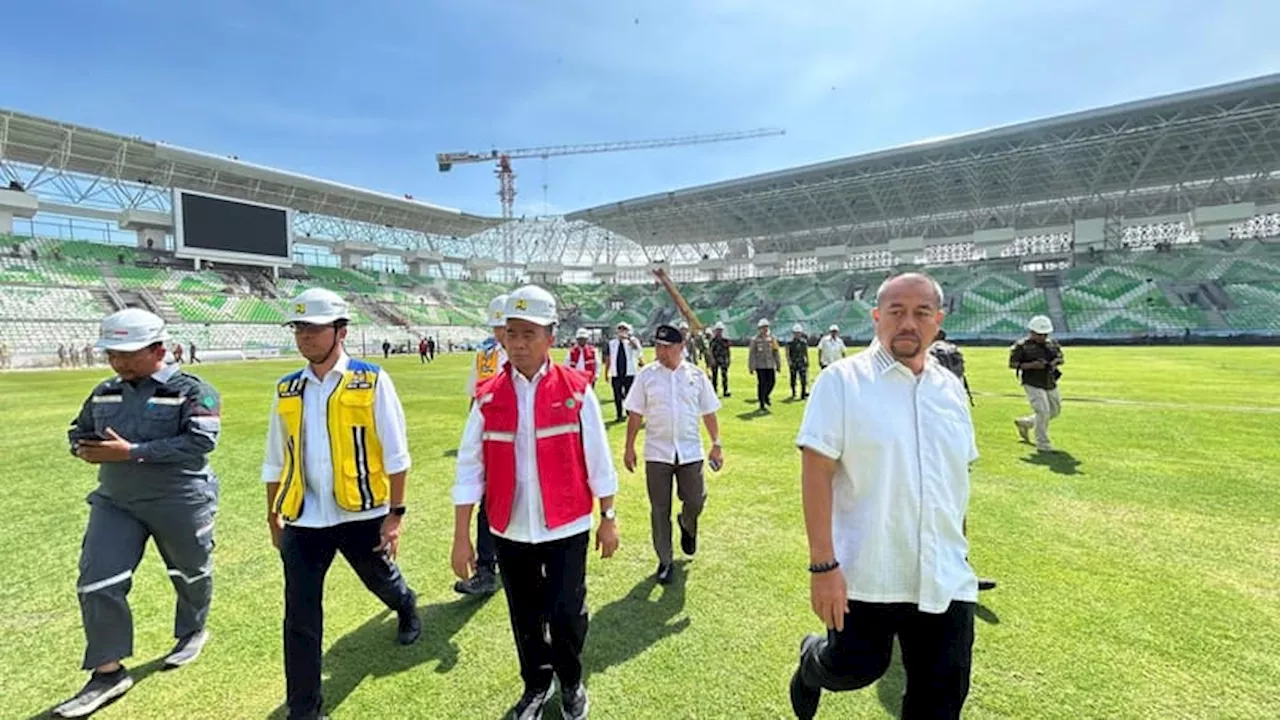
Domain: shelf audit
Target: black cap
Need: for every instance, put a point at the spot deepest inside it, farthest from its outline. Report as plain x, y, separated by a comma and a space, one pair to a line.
668, 335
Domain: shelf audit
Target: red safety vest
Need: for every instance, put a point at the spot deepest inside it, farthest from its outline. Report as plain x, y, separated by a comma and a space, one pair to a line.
562, 463
589, 361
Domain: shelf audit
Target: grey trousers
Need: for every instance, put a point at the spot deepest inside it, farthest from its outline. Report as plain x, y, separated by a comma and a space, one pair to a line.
113, 545
693, 496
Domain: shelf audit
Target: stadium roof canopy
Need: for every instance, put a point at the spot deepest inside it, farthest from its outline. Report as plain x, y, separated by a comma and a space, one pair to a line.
1140, 159
63, 147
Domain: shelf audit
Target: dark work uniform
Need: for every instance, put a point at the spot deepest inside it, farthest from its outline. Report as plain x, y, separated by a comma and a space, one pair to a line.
167, 491
1041, 387
718, 361
798, 362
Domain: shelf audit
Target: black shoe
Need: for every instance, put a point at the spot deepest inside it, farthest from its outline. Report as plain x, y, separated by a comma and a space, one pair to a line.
409, 627
187, 649
664, 573
804, 699
530, 705
484, 582
574, 703
101, 689
688, 541
728, 394
986, 584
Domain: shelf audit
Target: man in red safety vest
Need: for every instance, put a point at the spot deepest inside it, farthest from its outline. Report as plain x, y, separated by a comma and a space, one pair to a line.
535, 450
582, 356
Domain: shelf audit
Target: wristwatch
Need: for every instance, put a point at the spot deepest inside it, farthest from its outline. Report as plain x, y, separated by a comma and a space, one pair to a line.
716, 443
398, 509
609, 514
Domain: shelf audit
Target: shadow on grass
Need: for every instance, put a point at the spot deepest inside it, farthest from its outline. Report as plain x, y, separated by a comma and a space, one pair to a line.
370, 651
633, 623
139, 674
450, 453
1063, 463
891, 685
986, 615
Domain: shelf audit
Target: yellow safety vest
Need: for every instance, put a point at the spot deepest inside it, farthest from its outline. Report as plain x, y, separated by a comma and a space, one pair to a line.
359, 480
487, 362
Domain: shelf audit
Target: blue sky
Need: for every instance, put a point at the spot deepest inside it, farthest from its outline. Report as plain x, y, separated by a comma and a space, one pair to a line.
367, 93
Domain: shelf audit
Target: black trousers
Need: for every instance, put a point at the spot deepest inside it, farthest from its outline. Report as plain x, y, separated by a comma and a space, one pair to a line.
720, 373
486, 552
621, 386
307, 555
765, 380
803, 374
936, 653
546, 587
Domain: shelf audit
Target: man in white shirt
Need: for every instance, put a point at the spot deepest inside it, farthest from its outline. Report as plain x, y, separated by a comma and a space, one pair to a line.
624, 361
336, 459
831, 347
887, 440
535, 450
668, 398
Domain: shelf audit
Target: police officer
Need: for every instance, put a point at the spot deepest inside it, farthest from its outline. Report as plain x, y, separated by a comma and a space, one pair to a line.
719, 359
335, 467
798, 361
763, 362
149, 430
1036, 359
535, 452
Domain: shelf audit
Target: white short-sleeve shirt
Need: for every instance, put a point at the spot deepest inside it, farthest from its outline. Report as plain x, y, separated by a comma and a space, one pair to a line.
672, 403
901, 489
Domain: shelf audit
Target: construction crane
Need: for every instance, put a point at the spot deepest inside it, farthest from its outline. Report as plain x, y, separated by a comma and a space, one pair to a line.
507, 176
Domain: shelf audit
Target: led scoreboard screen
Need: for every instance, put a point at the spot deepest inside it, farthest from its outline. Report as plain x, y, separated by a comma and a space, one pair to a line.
216, 228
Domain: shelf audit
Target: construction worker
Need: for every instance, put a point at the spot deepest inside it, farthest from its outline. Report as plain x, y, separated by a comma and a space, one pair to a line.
535, 452
1036, 359
490, 360
336, 460
798, 361
625, 359
582, 355
763, 361
668, 398
491, 356
150, 430
719, 359
831, 347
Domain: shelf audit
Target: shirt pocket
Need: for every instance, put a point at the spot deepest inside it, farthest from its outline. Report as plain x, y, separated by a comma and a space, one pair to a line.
106, 415
160, 418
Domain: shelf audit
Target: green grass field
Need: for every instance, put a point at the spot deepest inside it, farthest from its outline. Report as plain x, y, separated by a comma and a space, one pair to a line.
1139, 569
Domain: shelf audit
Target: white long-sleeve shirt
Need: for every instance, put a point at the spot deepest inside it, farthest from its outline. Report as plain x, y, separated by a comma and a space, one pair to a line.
634, 350
830, 349
319, 507
528, 519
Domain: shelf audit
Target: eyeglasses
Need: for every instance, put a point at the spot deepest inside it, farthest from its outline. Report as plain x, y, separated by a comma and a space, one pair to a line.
300, 328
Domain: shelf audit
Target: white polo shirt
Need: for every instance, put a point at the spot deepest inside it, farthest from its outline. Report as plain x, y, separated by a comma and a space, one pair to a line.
319, 507
528, 517
672, 403
901, 489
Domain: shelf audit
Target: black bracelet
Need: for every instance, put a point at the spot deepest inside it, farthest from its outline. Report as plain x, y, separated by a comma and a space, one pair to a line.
828, 566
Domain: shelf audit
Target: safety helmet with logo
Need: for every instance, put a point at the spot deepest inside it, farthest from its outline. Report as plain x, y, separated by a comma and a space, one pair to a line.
318, 306
1040, 325
497, 308
719, 326
764, 322
834, 328
582, 334
533, 304
131, 329
797, 328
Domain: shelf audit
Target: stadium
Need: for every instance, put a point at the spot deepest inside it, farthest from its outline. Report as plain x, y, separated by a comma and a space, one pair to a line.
1155, 222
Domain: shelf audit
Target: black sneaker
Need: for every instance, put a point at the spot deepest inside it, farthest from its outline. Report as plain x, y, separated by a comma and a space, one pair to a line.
804, 699
484, 582
187, 649
664, 573
101, 689
409, 625
688, 541
530, 705
574, 703
986, 584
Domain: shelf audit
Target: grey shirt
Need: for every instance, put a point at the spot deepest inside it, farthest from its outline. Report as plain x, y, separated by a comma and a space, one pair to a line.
173, 420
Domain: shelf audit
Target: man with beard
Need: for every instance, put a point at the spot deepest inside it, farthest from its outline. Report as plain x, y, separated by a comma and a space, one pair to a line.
887, 440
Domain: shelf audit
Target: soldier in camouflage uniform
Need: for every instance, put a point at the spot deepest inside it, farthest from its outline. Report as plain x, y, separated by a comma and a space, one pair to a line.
798, 361
719, 358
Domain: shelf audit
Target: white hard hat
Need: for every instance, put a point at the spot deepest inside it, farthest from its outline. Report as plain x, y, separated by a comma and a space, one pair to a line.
834, 328
720, 326
531, 303
131, 329
318, 306
1040, 324
496, 308
582, 334
797, 328
764, 322
684, 324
